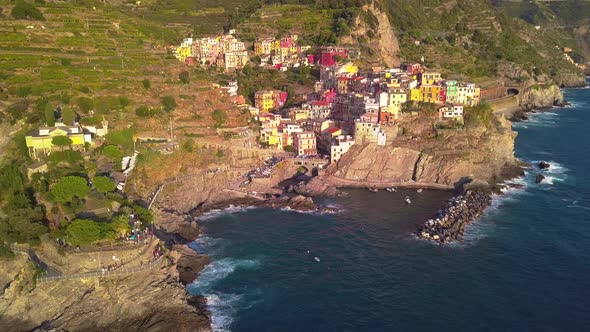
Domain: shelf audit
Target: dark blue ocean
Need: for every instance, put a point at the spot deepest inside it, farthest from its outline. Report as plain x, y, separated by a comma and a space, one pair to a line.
525, 265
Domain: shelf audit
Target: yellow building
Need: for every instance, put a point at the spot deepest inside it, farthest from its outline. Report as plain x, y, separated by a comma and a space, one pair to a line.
183, 52
263, 100
40, 141
415, 95
430, 78
271, 137
264, 46
299, 114
236, 59
430, 93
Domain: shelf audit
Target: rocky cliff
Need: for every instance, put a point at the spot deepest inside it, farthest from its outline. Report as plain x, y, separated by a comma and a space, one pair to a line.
375, 35
152, 300
444, 158
541, 96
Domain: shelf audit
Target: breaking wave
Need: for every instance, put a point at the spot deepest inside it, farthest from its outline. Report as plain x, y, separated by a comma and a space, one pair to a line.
223, 307
216, 213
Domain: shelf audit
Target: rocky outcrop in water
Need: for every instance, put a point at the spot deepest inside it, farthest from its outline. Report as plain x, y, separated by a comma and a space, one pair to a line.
449, 224
541, 96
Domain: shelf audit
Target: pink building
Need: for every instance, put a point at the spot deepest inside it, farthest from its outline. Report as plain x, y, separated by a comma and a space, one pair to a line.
326, 55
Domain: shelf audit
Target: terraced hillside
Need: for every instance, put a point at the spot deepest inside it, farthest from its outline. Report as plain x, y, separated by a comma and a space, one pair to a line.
100, 61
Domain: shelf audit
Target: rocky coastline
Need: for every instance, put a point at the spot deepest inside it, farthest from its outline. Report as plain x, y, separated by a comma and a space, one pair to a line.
449, 223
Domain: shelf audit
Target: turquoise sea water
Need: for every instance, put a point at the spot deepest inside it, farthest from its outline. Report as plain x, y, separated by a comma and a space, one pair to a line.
525, 265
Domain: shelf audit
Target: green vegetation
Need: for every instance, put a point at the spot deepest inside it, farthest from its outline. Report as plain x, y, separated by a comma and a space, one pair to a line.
5, 252
112, 152
169, 103
61, 141
184, 77
481, 114
146, 84
219, 117
83, 232
26, 11
69, 187
103, 184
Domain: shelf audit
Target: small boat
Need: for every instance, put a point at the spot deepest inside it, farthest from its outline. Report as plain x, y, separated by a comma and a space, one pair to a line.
419, 190
316, 259
391, 190
408, 200
373, 190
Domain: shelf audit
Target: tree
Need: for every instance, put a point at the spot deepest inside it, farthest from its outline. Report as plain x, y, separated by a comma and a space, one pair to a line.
49, 115
146, 84
120, 225
143, 214
69, 187
219, 117
86, 104
169, 103
83, 232
26, 11
68, 116
112, 152
290, 148
61, 141
184, 77
103, 184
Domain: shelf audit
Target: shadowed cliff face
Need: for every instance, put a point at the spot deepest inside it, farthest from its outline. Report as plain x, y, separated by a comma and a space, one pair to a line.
477, 153
150, 300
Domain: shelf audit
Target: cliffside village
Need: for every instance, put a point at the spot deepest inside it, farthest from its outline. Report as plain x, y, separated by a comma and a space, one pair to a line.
347, 106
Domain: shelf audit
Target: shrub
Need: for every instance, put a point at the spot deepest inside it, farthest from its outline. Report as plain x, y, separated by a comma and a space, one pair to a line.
144, 111
184, 77
85, 104
146, 84
26, 11
66, 62
169, 103
219, 117
23, 91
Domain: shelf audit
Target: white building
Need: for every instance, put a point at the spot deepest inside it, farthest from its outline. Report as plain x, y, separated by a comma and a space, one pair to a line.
340, 146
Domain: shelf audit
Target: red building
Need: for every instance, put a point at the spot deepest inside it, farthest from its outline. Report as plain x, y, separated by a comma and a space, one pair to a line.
442, 95
326, 55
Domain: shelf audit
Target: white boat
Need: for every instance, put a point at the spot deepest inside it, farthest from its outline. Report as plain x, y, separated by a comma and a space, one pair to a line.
419, 190
316, 259
373, 190
408, 200
391, 190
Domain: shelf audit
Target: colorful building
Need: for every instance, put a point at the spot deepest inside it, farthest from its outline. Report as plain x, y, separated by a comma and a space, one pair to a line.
40, 141
451, 112
430, 78
340, 146
430, 93
325, 55
305, 143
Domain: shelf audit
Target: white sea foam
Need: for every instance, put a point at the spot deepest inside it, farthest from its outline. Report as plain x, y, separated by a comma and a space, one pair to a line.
208, 245
223, 308
215, 213
218, 270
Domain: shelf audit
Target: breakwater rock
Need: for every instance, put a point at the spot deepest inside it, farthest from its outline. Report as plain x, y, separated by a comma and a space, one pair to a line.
449, 224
